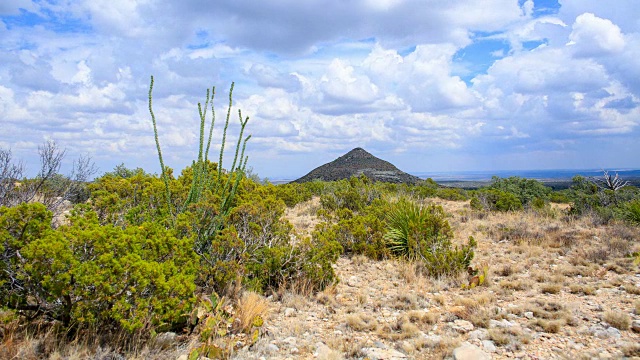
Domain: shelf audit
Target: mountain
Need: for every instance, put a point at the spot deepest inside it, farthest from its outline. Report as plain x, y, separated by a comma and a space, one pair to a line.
355, 163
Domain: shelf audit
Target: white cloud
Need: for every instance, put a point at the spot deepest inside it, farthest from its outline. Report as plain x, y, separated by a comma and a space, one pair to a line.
325, 76
341, 84
593, 36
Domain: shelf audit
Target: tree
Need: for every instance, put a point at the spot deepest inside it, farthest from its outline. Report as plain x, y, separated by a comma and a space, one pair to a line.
609, 182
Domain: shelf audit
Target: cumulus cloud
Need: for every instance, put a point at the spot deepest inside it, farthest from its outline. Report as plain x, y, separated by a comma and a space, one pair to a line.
593, 36
463, 84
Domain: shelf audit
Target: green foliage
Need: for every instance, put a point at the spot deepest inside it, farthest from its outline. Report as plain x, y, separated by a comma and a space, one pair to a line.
358, 233
423, 234
453, 194
85, 274
353, 194
605, 204
122, 171
207, 183
293, 193
526, 190
495, 200
559, 197
631, 212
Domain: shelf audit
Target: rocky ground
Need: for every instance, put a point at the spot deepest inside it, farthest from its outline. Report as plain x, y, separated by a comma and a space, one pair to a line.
557, 288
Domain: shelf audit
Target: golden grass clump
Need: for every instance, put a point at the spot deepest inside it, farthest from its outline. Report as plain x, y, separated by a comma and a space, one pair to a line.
617, 319
251, 309
361, 322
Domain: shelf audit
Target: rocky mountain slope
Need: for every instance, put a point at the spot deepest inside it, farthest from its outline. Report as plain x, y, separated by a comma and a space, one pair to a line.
357, 162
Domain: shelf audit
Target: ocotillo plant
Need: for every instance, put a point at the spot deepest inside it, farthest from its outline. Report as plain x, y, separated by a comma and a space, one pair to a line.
203, 179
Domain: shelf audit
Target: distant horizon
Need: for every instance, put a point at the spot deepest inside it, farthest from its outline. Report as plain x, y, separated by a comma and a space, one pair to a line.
483, 175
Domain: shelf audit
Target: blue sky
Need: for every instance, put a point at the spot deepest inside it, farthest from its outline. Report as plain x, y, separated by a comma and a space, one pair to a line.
428, 85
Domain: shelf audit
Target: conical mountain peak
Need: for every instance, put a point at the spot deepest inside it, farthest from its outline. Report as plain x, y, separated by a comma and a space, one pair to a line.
355, 163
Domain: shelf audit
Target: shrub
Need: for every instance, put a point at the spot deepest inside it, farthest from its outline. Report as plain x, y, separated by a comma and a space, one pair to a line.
84, 274
526, 190
292, 193
423, 234
354, 194
358, 234
631, 212
452, 194
495, 200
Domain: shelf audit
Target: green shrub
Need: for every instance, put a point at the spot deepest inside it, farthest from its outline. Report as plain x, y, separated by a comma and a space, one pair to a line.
559, 197
358, 233
452, 194
526, 190
495, 200
354, 194
423, 234
631, 212
85, 274
292, 193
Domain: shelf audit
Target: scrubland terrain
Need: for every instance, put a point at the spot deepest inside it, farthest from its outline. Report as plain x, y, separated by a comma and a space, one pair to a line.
557, 288
211, 264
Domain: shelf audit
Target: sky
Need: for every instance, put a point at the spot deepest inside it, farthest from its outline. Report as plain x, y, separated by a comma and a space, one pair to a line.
429, 85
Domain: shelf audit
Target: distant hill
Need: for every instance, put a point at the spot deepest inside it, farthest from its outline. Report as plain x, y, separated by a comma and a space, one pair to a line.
355, 163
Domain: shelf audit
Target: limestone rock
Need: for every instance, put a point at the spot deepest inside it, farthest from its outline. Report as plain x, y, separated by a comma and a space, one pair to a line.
462, 326
467, 351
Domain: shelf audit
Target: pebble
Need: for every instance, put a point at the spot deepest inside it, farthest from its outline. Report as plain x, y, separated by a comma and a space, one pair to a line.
352, 281
289, 312
272, 348
528, 314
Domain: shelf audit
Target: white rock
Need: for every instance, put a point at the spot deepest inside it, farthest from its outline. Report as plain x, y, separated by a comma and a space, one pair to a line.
480, 334
289, 312
352, 281
462, 326
467, 351
488, 346
165, 340
528, 314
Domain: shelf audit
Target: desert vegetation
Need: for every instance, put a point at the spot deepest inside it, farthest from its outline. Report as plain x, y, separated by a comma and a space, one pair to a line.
210, 263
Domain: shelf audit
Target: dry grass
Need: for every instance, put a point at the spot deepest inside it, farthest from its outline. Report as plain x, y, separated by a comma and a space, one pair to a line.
582, 289
632, 289
423, 317
617, 319
361, 322
549, 326
249, 308
550, 288
405, 302
517, 285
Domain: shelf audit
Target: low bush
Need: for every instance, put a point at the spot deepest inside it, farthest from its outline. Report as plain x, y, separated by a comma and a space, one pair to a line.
495, 200
84, 274
423, 234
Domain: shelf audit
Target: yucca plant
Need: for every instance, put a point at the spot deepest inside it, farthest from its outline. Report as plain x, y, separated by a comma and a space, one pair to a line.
423, 234
631, 212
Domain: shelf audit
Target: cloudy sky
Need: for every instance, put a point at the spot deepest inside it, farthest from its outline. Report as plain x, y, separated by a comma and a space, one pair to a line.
430, 85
